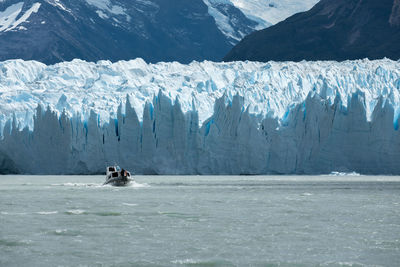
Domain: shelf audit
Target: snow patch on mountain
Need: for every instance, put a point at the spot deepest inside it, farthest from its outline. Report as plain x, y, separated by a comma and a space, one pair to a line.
222, 21
8, 18
264, 12
102, 14
110, 8
57, 3
272, 11
24, 18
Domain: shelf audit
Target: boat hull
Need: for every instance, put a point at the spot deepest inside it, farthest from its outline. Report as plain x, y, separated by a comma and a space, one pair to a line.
118, 182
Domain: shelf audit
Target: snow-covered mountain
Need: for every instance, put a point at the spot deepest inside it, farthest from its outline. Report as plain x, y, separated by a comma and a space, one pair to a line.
235, 118
264, 12
156, 30
331, 30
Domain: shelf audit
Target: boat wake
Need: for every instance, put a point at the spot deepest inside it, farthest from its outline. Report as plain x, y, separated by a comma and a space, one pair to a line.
344, 174
138, 185
46, 212
79, 184
132, 184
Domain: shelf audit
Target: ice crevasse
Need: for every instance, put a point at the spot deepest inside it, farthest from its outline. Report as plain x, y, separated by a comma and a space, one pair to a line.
201, 118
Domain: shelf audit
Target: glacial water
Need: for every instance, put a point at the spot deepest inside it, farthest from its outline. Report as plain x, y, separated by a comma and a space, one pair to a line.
200, 221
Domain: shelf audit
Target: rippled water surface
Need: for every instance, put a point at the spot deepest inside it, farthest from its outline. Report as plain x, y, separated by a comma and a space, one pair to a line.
200, 221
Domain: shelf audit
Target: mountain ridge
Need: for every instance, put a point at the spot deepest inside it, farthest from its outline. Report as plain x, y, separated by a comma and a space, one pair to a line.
52, 31
64, 30
331, 30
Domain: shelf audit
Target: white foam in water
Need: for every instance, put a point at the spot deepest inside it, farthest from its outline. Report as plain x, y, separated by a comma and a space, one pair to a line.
133, 184
12, 213
76, 212
185, 261
344, 174
79, 184
129, 204
60, 231
138, 185
47, 212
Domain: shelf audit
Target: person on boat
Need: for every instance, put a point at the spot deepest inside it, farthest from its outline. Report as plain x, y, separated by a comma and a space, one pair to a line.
124, 175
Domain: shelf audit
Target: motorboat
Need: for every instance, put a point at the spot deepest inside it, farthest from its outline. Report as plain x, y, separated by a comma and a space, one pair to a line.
117, 176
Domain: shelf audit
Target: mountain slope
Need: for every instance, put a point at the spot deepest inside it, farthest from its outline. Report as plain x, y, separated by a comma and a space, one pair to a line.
238, 18
157, 30
331, 30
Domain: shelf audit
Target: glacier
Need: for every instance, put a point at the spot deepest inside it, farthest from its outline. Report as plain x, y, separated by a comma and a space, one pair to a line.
202, 118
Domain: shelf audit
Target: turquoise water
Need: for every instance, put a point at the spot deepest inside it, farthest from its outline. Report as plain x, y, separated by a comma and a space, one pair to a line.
200, 221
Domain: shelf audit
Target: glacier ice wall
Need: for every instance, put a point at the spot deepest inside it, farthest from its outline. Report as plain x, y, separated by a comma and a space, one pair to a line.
267, 88
203, 118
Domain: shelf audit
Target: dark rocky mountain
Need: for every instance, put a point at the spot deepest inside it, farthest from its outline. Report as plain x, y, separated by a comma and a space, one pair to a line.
155, 30
331, 30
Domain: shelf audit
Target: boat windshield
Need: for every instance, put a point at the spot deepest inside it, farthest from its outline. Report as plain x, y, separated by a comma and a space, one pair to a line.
118, 168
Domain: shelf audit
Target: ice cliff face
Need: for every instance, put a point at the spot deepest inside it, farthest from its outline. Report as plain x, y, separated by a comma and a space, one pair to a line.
202, 118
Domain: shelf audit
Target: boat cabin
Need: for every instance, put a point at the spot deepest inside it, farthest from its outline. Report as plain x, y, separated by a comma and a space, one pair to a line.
117, 176
116, 171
